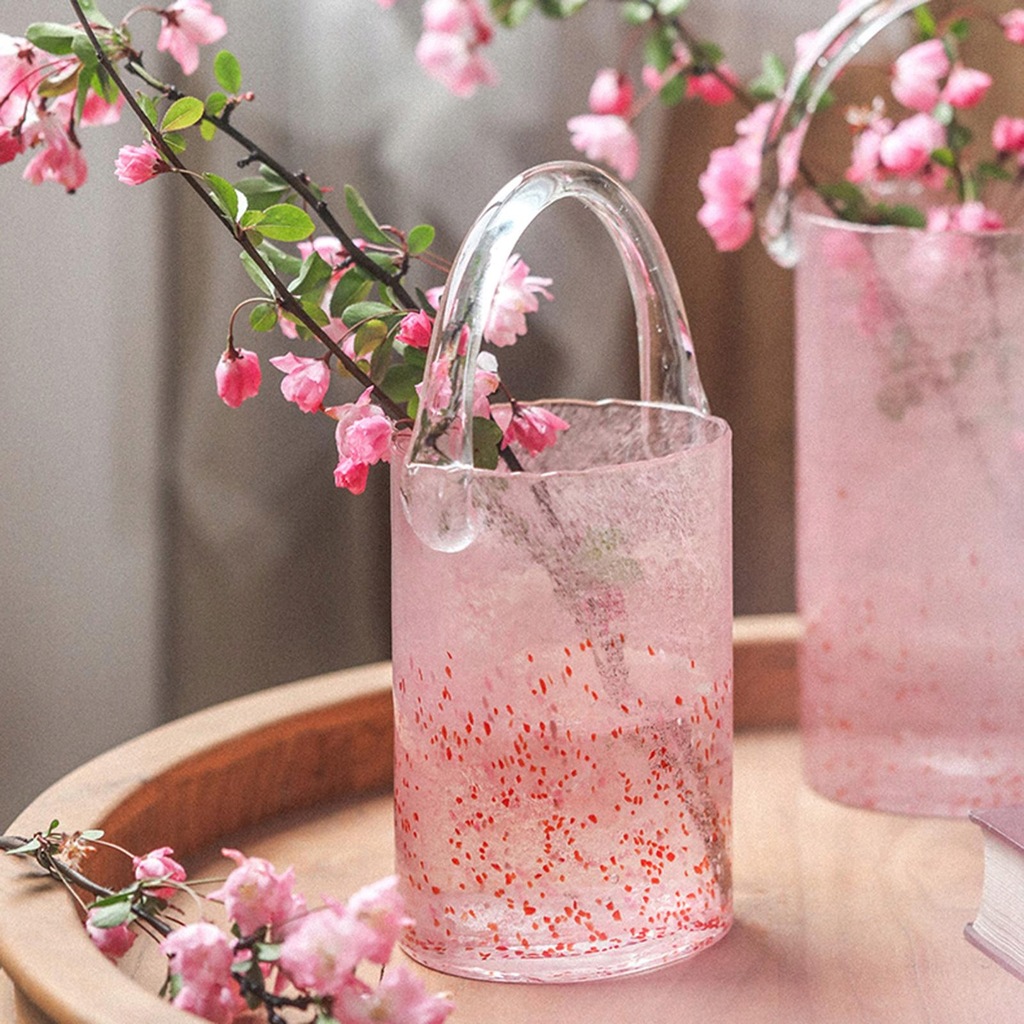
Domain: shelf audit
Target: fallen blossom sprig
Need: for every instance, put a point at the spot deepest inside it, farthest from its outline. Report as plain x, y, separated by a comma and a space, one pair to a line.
276, 954
345, 291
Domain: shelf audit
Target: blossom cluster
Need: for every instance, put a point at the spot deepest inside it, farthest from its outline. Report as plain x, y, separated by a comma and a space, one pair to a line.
279, 952
343, 293
924, 143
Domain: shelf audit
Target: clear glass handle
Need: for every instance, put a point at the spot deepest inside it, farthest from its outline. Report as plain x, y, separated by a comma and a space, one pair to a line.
838, 42
438, 466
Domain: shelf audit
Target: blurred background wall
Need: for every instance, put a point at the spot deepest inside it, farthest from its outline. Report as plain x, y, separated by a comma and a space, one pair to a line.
161, 552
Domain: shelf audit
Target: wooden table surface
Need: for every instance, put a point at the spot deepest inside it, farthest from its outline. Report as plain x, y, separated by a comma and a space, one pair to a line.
842, 914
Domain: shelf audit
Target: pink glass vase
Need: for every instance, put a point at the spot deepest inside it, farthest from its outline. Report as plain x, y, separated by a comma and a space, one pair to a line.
562, 648
910, 483
910, 514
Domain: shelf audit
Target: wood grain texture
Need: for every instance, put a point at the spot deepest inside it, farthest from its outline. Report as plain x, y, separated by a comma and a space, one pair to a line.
842, 914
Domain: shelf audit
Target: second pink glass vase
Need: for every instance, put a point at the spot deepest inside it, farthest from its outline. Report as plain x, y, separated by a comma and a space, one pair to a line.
910, 514
562, 648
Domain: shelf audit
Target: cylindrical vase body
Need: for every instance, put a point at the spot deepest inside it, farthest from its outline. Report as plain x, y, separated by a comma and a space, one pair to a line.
910, 515
563, 706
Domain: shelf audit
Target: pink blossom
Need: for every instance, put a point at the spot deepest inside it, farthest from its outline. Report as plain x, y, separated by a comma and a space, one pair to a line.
972, 216
400, 998
866, 159
966, 87
534, 427
416, 329
321, 950
18, 61
12, 145
187, 25
607, 138
454, 31
713, 87
59, 160
516, 296
159, 864
611, 93
485, 382
114, 942
202, 955
1013, 25
438, 375
917, 73
136, 164
98, 112
1008, 134
380, 909
908, 148
363, 438
255, 895
729, 225
729, 185
306, 380
238, 376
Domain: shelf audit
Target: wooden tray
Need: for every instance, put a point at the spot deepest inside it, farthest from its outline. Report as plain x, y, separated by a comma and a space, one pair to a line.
842, 914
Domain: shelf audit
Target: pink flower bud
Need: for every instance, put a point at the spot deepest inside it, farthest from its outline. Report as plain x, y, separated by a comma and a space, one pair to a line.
238, 376
1013, 25
159, 864
908, 148
136, 164
1008, 134
917, 72
611, 93
609, 139
712, 87
114, 942
415, 329
966, 87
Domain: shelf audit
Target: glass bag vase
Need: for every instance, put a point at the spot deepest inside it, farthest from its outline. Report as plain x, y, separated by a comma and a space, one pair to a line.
910, 484
562, 649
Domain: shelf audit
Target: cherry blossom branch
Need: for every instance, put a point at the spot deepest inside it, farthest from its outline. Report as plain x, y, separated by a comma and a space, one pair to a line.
284, 296
298, 181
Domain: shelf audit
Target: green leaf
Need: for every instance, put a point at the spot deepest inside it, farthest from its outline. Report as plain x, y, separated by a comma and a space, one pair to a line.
354, 286
512, 13
215, 104
400, 381
92, 834
286, 223
228, 197
926, 26
287, 264
635, 12
94, 14
110, 913
148, 106
83, 49
707, 55
53, 37
960, 29
176, 142
486, 439
30, 847
772, 79
370, 336
673, 91
420, 239
263, 317
944, 157
560, 8
261, 193
256, 275
365, 222
312, 310
672, 8
183, 113
228, 71
359, 311
315, 273
658, 48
